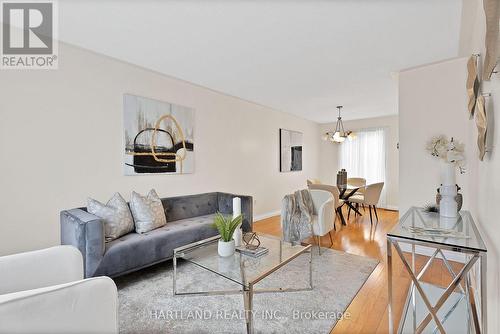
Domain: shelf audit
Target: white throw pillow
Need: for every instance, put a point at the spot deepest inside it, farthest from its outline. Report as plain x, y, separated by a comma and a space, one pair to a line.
147, 211
115, 214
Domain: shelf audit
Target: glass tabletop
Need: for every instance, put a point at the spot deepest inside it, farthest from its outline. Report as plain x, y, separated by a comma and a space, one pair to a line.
239, 268
419, 225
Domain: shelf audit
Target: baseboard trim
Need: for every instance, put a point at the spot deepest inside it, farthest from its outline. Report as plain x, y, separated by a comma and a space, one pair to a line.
266, 215
391, 207
270, 214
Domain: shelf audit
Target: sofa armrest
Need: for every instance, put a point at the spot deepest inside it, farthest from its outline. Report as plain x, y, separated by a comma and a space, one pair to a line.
84, 231
225, 205
40, 268
85, 306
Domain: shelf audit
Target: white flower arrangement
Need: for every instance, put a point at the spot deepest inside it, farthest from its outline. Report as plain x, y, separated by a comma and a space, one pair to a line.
450, 151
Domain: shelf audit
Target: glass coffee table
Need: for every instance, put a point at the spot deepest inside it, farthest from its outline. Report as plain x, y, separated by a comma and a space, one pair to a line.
242, 269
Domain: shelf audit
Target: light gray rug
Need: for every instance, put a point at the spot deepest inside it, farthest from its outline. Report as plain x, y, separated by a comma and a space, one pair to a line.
148, 306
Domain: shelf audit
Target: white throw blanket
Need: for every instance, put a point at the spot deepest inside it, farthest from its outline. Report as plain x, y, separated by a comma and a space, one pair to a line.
296, 216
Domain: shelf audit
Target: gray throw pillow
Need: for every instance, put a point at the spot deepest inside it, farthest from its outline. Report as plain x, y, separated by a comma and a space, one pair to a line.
115, 214
147, 211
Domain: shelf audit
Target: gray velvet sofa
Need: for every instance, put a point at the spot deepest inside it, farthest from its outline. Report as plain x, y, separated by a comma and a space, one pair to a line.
189, 219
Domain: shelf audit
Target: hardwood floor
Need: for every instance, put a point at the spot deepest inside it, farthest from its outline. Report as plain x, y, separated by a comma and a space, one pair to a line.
367, 313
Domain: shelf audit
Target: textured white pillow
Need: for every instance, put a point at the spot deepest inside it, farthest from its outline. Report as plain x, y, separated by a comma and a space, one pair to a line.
115, 214
147, 211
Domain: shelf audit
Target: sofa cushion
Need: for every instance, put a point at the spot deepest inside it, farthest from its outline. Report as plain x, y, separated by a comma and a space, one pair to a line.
147, 211
134, 251
115, 214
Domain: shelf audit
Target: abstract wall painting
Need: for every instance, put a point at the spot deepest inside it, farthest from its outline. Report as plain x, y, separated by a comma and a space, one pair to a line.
290, 151
159, 137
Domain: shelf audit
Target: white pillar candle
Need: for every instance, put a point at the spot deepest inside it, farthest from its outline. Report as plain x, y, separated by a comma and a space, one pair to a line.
238, 235
236, 207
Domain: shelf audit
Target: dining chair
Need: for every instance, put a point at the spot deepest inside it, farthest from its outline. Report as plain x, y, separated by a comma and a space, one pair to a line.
358, 182
336, 196
323, 218
313, 181
370, 198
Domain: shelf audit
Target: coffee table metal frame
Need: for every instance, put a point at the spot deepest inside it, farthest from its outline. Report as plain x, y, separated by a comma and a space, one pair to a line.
248, 290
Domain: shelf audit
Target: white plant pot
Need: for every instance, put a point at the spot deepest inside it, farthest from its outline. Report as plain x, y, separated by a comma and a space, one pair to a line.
226, 249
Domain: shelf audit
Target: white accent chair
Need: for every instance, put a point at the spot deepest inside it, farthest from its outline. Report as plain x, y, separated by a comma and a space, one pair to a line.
324, 216
336, 197
44, 291
370, 198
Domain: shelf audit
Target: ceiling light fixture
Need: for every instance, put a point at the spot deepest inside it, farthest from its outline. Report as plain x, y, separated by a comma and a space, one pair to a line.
339, 135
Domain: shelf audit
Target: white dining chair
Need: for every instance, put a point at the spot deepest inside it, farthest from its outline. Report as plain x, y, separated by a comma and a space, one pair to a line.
370, 198
358, 182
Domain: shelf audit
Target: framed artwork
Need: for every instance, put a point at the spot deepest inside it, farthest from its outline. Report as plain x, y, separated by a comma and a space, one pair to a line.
159, 137
290, 151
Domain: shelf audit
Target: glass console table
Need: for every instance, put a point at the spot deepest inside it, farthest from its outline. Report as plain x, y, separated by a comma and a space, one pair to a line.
461, 306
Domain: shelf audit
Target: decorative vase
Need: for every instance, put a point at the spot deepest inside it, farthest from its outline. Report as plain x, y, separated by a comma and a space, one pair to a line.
448, 174
447, 223
448, 206
226, 248
459, 198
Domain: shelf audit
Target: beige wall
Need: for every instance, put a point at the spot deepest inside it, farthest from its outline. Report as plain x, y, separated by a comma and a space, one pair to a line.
432, 102
61, 140
329, 153
485, 175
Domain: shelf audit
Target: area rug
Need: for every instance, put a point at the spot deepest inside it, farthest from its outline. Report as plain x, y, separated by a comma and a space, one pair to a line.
146, 303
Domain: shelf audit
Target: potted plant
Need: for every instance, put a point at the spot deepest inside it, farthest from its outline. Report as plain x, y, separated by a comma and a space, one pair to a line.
226, 226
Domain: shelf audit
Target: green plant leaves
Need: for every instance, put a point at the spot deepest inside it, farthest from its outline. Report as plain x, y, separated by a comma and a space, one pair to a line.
226, 225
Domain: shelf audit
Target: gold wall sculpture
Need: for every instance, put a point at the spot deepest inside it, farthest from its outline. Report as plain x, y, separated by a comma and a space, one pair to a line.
482, 126
492, 13
472, 84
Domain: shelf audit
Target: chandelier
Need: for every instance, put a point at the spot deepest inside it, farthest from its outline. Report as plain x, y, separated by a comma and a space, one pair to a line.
340, 134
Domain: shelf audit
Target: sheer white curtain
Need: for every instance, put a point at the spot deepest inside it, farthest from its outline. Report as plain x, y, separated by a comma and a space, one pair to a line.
365, 156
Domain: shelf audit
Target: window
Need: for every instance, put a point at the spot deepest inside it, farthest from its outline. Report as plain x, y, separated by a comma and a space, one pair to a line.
365, 156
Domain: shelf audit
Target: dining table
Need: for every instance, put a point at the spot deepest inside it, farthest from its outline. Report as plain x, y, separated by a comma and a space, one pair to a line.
345, 192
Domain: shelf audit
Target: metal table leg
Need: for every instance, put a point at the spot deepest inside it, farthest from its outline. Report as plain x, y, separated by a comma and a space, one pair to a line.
484, 318
248, 301
389, 283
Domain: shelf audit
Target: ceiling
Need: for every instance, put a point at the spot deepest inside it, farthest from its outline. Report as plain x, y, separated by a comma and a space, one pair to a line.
301, 57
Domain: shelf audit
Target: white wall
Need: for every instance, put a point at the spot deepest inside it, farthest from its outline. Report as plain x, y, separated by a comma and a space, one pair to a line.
485, 177
432, 101
61, 140
329, 153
